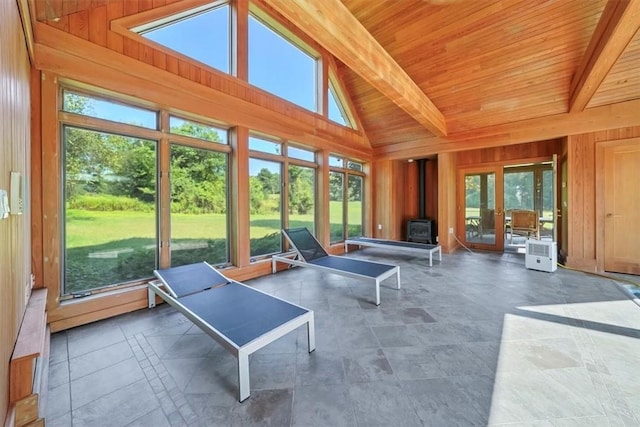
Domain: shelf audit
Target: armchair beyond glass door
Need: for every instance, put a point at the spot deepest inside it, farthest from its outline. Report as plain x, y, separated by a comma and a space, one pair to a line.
525, 222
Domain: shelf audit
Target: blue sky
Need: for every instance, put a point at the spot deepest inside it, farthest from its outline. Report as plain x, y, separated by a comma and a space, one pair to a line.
275, 65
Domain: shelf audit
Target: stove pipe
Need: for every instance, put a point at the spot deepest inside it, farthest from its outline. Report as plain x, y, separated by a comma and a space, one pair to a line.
421, 188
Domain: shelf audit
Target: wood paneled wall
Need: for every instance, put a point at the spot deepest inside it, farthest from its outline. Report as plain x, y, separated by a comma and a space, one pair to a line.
532, 150
389, 195
402, 177
411, 193
447, 201
583, 204
15, 246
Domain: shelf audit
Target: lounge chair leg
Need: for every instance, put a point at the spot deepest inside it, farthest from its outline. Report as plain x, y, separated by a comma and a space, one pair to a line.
243, 376
151, 297
377, 292
398, 277
311, 334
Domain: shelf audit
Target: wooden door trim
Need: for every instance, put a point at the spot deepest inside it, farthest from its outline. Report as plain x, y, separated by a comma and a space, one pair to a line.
496, 168
600, 193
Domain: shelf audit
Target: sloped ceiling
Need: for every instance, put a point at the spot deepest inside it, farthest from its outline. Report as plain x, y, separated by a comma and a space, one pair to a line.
483, 63
478, 63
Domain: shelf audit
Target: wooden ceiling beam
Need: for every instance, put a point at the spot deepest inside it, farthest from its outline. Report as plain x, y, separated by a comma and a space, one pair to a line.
331, 24
606, 117
618, 24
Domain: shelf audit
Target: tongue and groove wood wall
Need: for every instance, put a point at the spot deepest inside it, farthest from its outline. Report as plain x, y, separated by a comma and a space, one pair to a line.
15, 243
86, 41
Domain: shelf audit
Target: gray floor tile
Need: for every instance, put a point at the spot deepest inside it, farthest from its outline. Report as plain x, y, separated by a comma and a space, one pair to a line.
87, 338
58, 401
93, 361
382, 403
59, 421
355, 337
182, 370
215, 374
103, 382
319, 368
117, 408
475, 340
446, 402
323, 405
535, 395
397, 336
58, 351
58, 374
539, 354
190, 345
367, 365
155, 418
267, 407
273, 371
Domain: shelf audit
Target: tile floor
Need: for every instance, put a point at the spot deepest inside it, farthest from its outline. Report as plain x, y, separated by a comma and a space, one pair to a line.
476, 340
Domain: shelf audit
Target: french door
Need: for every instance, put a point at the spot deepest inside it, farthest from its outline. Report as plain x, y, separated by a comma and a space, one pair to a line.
480, 208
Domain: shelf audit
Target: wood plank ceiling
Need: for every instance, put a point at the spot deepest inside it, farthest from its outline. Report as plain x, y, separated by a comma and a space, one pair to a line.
482, 63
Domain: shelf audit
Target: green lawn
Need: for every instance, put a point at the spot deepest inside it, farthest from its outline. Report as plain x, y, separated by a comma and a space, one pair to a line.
107, 248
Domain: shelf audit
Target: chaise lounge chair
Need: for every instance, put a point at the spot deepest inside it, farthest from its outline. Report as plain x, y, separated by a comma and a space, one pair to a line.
310, 253
240, 318
416, 248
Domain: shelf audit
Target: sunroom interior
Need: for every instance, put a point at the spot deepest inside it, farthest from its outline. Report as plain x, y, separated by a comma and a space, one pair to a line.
143, 134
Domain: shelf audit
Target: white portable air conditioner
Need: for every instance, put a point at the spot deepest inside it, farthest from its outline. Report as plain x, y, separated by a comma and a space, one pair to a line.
541, 255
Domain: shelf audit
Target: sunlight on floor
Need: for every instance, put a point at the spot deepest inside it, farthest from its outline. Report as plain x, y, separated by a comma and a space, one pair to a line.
542, 356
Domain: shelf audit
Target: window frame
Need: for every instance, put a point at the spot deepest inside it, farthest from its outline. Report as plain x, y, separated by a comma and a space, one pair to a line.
163, 140
280, 29
127, 26
285, 161
345, 196
201, 144
335, 88
94, 124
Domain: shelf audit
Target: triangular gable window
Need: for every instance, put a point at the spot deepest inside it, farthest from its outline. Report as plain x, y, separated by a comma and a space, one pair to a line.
279, 65
338, 112
202, 34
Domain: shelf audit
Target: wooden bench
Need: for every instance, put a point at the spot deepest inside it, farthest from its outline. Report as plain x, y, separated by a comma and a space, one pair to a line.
29, 365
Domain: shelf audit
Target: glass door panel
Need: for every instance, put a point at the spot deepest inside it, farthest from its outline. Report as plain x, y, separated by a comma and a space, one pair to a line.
547, 223
518, 190
482, 209
528, 187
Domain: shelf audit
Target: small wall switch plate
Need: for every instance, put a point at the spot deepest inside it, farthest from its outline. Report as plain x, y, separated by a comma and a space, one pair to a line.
379, 226
17, 193
450, 230
4, 204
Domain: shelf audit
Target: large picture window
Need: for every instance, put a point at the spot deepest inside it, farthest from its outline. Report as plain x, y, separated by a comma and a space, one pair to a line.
346, 198
199, 194
354, 192
282, 187
336, 206
302, 190
113, 221
199, 229
265, 184
109, 209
